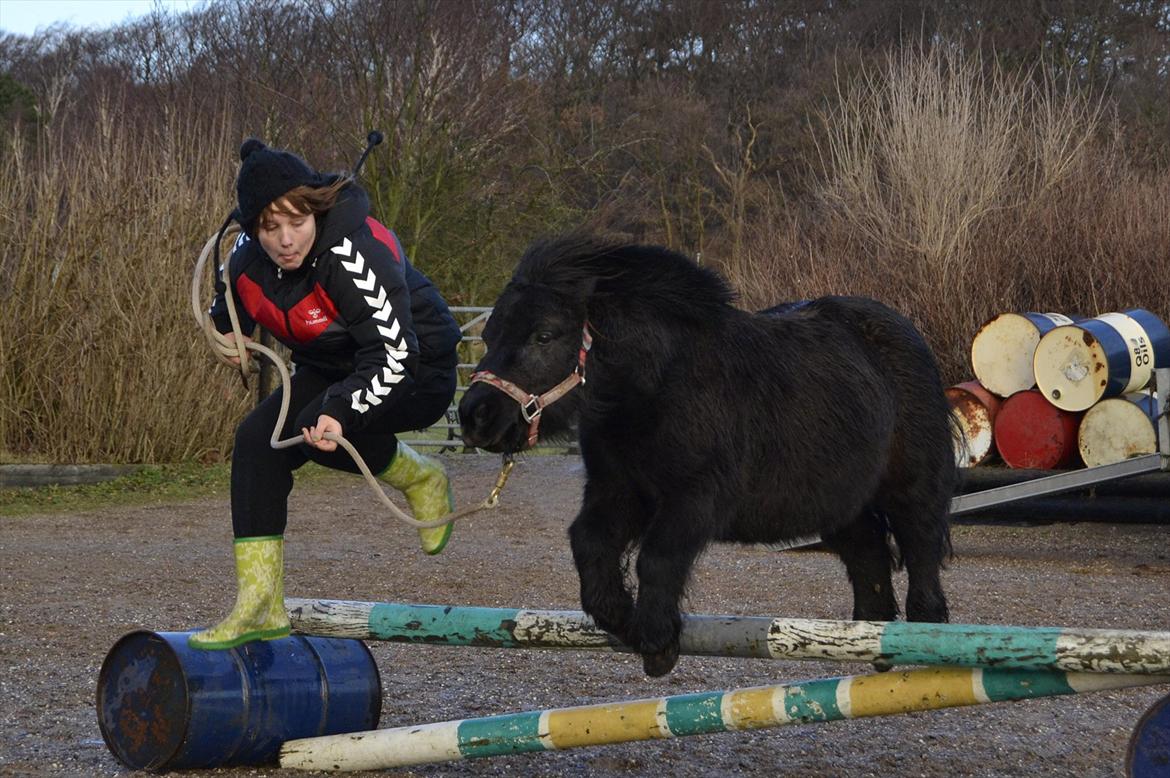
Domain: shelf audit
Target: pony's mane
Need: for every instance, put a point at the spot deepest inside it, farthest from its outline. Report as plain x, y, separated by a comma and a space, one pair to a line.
614, 270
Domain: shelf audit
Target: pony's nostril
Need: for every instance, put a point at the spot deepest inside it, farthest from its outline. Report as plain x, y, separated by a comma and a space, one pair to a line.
474, 416
482, 414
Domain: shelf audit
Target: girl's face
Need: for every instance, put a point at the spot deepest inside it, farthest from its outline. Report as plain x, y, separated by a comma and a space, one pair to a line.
287, 237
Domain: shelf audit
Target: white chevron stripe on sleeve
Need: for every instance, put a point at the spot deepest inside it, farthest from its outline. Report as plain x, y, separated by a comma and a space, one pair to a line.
378, 300
385, 313
397, 350
365, 284
377, 388
357, 266
393, 371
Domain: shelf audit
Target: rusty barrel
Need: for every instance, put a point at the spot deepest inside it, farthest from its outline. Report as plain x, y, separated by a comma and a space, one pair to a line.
1076, 365
1002, 350
1031, 432
1117, 429
975, 409
163, 705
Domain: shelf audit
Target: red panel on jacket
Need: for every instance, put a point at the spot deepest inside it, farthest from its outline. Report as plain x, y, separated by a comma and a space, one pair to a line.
382, 235
312, 315
260, 308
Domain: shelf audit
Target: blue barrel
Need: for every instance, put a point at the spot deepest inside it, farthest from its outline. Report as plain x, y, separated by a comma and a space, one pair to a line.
163, 705
1149, 746
1106, 356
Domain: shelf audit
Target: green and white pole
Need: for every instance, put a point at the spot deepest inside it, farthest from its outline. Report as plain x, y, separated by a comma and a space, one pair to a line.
893, 643
690, 714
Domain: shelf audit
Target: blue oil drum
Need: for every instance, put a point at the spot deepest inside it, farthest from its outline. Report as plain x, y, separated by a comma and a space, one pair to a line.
1107, 356
1148, 755
163, 705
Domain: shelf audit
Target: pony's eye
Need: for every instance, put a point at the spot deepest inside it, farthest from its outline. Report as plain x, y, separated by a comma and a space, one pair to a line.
543, 338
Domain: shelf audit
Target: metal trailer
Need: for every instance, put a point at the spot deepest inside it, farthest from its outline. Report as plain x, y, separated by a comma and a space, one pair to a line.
1080, 479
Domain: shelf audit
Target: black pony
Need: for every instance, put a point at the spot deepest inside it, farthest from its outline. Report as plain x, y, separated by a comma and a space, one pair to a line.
700, 422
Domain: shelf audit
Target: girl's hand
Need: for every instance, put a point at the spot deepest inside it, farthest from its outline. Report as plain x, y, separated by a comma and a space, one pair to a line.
315, 437
230, 337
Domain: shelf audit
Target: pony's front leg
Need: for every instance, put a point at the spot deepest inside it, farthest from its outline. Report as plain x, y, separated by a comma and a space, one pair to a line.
599, 537
678, 535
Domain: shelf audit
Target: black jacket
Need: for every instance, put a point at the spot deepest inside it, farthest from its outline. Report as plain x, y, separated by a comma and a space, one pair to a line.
356, 310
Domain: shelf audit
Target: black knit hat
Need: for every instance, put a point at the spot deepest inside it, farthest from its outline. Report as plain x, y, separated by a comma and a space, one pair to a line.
267, 175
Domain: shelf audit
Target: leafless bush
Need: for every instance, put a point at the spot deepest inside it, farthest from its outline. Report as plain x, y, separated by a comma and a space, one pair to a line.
103, 361
956, 194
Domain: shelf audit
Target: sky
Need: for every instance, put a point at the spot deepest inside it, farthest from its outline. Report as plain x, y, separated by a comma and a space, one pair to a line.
26, 16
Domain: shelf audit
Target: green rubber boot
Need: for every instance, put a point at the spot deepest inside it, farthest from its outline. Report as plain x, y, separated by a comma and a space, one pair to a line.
424, 482
259, 613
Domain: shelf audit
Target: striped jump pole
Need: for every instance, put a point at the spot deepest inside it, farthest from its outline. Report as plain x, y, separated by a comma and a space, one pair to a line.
691, 714
893, 643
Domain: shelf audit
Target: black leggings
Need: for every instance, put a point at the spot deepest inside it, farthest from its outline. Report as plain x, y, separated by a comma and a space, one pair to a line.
262, 476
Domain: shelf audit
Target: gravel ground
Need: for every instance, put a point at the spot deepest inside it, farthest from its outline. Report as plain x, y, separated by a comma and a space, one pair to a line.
73, 584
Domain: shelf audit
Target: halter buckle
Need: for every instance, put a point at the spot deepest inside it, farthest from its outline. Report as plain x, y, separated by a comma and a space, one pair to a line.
531, 409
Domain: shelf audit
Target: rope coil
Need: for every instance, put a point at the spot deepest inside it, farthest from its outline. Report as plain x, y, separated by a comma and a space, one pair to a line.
228, 351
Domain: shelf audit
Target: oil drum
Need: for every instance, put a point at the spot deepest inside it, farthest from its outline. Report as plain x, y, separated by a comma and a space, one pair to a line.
1079, 364
1031, 432
1148, 755
975, 409
1002, 349
163, 705
1118, 428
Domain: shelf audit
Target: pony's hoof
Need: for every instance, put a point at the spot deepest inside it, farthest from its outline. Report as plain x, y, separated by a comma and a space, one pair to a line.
661, 663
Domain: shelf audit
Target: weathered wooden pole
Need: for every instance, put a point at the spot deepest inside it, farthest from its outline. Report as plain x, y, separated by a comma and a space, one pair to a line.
690, 714
893, 643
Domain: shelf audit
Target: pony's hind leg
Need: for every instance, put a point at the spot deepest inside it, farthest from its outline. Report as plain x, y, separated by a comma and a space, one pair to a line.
924, 541
862, 546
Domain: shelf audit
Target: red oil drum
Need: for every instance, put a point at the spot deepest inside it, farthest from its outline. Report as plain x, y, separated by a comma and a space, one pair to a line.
975, 409
1001, 352
1118, 428
1031, 432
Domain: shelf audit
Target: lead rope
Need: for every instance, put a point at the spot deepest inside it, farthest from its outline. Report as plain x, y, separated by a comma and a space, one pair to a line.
225, 350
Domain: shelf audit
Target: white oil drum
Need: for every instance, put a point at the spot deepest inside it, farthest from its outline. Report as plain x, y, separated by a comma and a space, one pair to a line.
1118, 428
1002, 350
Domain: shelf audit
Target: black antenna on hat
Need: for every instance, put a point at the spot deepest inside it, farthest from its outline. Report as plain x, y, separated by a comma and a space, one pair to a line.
373, 139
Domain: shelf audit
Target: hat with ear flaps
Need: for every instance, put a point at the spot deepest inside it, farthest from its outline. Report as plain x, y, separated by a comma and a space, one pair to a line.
267, 175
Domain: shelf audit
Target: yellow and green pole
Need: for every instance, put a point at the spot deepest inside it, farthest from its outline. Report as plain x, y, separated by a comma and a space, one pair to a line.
691, 714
